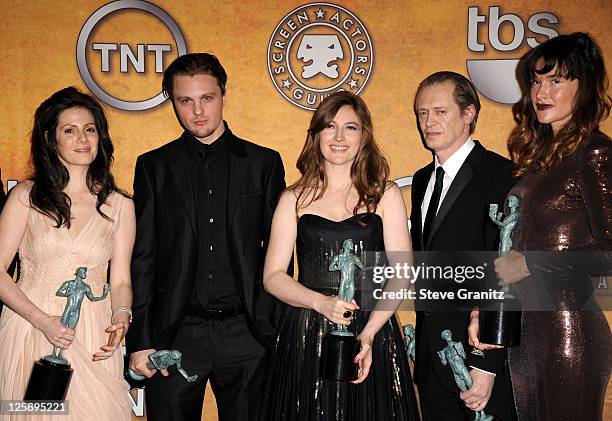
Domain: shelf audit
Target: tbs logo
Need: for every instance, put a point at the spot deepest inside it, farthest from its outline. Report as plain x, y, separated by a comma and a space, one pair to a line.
496, 79
117, 64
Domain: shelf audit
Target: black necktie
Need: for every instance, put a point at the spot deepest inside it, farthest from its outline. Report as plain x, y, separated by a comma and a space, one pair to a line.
433, 204
207, 155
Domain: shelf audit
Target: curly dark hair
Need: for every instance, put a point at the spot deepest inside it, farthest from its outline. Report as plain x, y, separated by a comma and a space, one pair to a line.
50, 175
533, 146
369, 171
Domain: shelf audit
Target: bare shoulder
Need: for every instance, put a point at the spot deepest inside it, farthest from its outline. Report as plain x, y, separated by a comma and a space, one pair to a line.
288, 198
300, 197
127, 204
392, 193
286, 205
392, 200
120, 205
115, 200
17, 208
392, 186
20, 194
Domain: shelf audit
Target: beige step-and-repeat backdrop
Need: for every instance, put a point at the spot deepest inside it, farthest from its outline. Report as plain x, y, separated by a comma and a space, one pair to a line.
118, 50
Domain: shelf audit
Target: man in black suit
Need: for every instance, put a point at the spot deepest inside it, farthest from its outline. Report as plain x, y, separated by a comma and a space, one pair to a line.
450, 201
204, 205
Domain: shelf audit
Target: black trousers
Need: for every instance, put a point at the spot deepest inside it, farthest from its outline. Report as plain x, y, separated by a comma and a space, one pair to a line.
222, 351
440, 404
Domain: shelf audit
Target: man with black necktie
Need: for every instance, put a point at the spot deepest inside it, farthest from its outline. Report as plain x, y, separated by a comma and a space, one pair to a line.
450, 201
204, 204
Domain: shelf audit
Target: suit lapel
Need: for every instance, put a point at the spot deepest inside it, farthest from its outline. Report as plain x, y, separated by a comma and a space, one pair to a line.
459, 183
236, 177
419, 194
179, 168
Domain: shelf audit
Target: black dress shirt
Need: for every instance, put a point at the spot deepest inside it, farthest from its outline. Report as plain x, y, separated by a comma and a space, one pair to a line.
208, 167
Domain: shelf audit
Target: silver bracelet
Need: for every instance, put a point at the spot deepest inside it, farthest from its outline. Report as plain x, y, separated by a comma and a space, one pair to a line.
121, 309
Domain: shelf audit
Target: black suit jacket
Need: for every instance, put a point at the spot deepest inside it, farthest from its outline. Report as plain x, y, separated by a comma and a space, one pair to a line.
165, 254
462, 224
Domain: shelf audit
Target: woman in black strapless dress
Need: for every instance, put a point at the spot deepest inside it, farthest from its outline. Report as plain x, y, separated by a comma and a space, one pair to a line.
561, 368
343, 193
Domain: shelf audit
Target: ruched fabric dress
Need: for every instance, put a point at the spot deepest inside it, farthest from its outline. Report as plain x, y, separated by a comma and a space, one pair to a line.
295, 392
561, 369
49, 257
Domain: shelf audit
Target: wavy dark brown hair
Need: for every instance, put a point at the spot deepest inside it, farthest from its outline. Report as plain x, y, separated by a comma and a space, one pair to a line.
533, 146
369, 171
50, 175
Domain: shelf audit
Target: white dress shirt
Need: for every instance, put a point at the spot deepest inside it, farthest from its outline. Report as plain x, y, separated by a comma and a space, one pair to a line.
451, 168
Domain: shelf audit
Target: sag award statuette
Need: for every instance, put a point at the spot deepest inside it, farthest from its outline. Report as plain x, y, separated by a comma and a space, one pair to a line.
163, 359
51, 375
453, 355
500, 322
410, 340
340, 347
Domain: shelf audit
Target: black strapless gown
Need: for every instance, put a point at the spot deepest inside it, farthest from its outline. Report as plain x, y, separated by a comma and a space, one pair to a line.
295, 392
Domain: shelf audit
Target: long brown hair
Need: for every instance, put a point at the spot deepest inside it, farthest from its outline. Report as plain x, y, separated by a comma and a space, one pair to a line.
50, 176
369, 171
533, 146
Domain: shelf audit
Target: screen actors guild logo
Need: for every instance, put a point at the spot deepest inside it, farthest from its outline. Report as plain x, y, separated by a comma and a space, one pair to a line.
317, 49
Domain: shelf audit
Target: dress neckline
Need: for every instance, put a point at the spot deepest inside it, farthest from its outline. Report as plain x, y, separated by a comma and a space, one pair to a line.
340, 221
71, 231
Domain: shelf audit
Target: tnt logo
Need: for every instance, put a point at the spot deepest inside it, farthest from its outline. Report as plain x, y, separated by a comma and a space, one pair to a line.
122, 51
317, 49
496, 79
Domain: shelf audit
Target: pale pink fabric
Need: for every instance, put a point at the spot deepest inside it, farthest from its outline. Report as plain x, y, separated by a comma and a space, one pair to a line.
49, 257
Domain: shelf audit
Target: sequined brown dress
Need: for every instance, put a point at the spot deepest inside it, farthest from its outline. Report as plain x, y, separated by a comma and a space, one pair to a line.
295, 392
562, 367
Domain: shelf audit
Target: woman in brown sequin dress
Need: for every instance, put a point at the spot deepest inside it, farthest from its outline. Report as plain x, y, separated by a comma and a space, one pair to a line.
561, 368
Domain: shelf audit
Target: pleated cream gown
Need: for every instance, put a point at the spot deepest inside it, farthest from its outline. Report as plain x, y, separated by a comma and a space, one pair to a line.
50, 256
